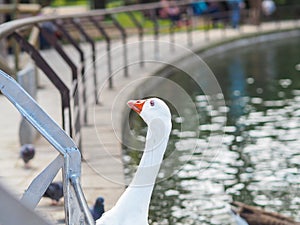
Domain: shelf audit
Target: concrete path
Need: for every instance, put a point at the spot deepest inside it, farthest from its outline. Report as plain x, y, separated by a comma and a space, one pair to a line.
102, 168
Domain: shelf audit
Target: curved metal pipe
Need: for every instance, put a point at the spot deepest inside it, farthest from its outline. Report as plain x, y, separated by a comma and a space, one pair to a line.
9, 27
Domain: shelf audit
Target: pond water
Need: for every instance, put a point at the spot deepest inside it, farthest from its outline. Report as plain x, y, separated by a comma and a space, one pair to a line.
258, 159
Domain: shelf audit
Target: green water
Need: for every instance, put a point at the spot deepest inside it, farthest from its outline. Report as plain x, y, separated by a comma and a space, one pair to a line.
258, 159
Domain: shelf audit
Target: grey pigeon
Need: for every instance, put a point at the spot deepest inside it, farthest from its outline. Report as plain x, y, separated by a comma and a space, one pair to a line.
98, 208
54, 192
27, 153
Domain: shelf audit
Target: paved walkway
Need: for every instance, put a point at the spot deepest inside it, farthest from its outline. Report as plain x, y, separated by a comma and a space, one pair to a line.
102, 169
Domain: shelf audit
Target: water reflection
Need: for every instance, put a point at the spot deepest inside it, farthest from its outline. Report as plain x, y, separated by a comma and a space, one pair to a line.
237, 88
258, 161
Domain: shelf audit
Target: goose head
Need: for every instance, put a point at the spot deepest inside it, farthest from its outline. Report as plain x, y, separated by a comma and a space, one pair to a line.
150, 109
157, 116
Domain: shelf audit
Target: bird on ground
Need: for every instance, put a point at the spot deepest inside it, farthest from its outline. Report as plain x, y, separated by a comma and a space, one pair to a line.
133, 205
27, 153
250, 215
98, 208
55, 192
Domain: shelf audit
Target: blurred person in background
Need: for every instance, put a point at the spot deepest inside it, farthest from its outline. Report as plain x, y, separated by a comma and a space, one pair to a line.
268, 7
235, 7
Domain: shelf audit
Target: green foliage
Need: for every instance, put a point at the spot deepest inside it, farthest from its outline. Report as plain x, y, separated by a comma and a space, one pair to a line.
68, 2
113, 4
125, 21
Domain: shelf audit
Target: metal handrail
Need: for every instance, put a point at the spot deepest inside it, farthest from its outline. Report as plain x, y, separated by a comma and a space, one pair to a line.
9, 27
69, 158
12, 28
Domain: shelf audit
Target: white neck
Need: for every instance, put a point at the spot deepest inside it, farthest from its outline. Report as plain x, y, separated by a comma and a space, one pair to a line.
138, 194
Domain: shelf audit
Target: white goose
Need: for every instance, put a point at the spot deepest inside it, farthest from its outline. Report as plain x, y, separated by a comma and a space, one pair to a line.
133, 206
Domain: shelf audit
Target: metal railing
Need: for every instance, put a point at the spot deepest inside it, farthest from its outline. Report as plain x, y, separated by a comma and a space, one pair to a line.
69, 158
102, 21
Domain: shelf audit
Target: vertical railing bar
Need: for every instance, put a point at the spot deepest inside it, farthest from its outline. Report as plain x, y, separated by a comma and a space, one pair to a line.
124, 40
71, 168
77, 126
172, 36
297, 17
71, 40
189, 13
92, 43
239, 27
277, 20
38, 186
225, 23
156, 32
52, 39
54, 78
81, 199
82, 61
108, 47
139, 26
207, 28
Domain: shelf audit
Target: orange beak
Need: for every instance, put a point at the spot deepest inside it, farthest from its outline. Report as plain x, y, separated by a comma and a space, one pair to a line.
136, 105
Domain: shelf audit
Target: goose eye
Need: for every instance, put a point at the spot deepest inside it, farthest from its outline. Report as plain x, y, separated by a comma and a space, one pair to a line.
152, 103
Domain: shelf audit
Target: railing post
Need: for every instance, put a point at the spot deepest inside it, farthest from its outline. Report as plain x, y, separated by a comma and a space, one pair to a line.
82, 60
92, 43
189, 24
141, 35
124, 40
54, 78
75, 206
108, 48
156, 32
172, 36
206, 27
52, 39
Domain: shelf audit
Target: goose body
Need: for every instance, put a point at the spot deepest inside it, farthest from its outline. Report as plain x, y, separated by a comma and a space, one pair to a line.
257, 216
133, 205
